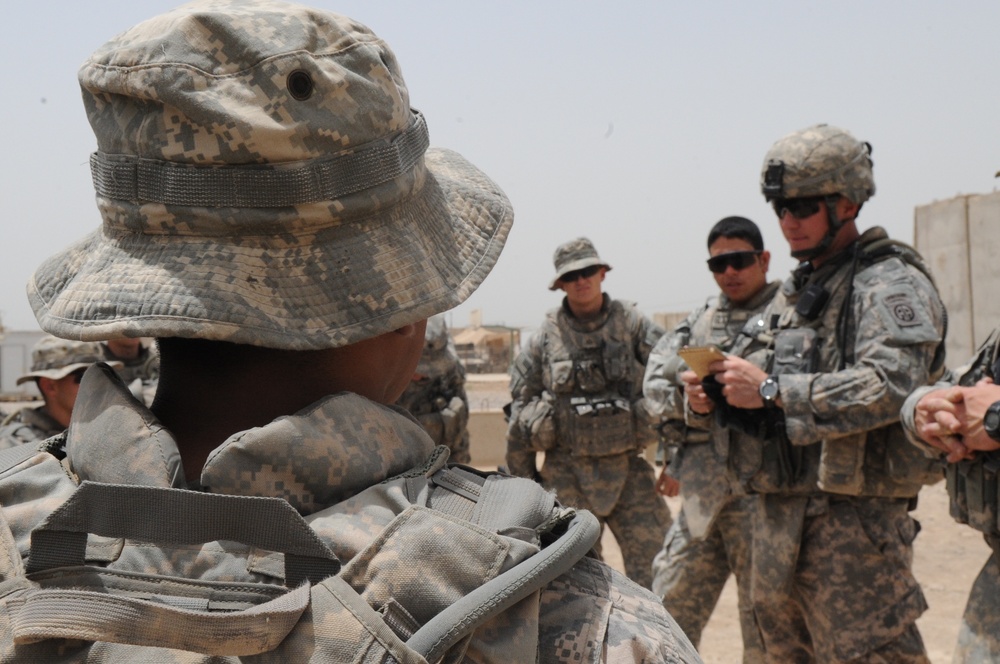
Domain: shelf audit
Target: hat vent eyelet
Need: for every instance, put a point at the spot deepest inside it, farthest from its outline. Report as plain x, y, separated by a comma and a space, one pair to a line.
300, 84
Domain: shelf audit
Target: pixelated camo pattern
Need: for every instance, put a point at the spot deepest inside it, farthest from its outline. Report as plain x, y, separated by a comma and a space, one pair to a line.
207, 86
618, 488
574, 255
28, 425
399, 554
820, 160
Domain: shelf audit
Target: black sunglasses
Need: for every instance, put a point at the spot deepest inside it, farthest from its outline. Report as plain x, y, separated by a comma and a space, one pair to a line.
586, 273
78, 375
739, 260
800, 208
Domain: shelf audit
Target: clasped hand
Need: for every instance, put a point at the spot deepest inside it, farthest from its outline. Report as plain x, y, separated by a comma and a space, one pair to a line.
951, 419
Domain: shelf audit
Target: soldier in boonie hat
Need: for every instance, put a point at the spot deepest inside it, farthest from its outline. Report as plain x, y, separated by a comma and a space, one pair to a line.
577, 254
273, 216
575, 395
56, 367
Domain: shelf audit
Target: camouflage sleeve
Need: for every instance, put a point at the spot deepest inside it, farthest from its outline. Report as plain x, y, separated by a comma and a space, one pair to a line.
645, 334
525, 387
898, 323
661, 386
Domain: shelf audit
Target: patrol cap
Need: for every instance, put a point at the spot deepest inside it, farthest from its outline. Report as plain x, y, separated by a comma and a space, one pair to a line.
263, 180
818, 161
57, 358
574, 255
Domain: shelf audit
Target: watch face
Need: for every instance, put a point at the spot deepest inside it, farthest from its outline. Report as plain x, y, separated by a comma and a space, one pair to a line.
991, 422
769, 389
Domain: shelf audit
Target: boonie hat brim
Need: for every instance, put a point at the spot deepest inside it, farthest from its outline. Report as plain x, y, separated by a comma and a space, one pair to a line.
282, 288
577, 265
62, 372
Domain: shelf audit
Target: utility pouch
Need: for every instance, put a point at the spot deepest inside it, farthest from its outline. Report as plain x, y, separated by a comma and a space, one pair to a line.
796, 351
590, 376
981, 497
812, 301
842, 465
599, 428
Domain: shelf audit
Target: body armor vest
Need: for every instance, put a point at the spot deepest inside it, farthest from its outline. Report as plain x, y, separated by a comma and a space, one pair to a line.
807, 337
594, 377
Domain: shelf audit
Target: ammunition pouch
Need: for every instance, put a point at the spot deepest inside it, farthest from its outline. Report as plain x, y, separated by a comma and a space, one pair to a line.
537, 426
596, 427
973, 493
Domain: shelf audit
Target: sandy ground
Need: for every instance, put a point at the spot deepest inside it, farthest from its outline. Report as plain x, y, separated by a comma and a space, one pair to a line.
947, 557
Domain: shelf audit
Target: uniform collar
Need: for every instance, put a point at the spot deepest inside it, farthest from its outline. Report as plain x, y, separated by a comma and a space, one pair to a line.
319, 456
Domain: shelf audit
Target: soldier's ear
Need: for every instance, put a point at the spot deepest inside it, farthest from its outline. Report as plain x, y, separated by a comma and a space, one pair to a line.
46, 386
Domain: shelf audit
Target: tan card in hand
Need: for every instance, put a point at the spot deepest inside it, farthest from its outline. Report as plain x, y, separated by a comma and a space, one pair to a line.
699, 357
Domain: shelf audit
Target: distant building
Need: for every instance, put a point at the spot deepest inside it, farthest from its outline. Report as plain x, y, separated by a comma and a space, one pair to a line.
15, 361
487, 348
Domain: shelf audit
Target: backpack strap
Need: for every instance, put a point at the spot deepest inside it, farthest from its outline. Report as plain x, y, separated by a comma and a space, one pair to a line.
496, 502
497, 595
177, 516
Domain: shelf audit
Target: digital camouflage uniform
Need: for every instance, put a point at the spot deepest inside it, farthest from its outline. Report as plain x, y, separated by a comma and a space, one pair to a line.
263, 181
711, 538
436, 395
833, 539
140, 373
50, 358
28, 425
847, 342
409, 560
972, 488
574, 388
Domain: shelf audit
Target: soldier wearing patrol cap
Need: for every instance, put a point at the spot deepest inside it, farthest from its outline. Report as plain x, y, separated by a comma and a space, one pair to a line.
577, 396
57, 365
959, 419
274, 217
855, 329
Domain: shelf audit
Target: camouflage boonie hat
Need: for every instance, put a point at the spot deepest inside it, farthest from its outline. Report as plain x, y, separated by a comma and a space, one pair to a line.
439, 356
818, 161
263, 180
57, 358
574, 255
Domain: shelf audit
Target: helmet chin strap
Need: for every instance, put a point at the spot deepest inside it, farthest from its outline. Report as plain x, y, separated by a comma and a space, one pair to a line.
834, 224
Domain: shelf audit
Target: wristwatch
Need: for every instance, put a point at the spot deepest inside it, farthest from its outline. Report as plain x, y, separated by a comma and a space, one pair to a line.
991, 421
769, 391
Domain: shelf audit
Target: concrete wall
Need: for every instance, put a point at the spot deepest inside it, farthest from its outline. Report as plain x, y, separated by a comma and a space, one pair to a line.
960, 239
15, 360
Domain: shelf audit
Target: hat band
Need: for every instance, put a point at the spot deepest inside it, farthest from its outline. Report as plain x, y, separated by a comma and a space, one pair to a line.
131, 178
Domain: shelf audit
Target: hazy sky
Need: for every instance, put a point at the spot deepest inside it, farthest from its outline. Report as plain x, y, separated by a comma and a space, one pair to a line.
638, 124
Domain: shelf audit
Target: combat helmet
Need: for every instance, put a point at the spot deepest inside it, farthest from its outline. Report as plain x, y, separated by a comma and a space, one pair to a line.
818, 161
823, 161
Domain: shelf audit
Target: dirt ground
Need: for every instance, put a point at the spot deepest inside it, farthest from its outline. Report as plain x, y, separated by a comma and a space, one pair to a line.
947, 557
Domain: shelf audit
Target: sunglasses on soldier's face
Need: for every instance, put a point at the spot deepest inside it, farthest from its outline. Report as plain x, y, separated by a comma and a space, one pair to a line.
586, 273
738, 260
800, 208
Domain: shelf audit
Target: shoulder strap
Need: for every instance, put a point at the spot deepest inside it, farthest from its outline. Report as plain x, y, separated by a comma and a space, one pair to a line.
499, 502
884, 248
178, 516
